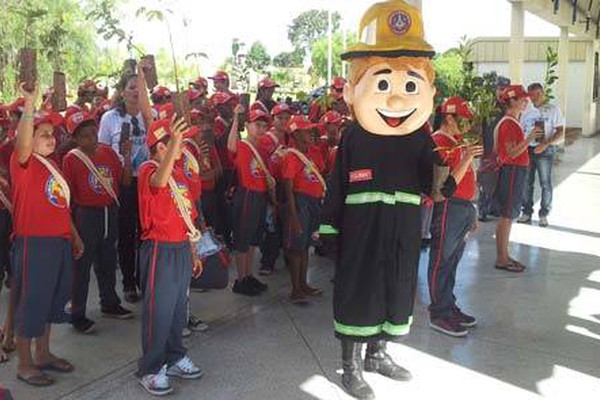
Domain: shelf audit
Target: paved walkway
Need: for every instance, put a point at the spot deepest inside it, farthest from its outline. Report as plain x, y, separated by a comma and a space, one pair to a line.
539, 332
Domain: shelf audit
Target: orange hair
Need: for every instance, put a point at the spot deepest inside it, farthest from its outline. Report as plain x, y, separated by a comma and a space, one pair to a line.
359, 66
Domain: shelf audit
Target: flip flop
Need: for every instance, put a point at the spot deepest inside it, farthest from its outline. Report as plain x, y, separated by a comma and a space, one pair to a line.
297, 299
3, 357
518, 263
37, 380
511, 267
58, 365
312, 292
9, 347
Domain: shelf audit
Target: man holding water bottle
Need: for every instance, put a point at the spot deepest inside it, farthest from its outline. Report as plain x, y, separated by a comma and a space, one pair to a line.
547, 117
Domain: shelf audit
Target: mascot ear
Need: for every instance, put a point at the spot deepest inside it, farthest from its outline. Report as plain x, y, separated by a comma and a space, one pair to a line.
349, 93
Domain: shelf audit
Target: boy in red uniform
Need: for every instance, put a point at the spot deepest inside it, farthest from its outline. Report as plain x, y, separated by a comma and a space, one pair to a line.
453, 218
45, 243
264, 96
331, 123
167, 258
250, 199
94, 173
270, 147
511, 144
304, 187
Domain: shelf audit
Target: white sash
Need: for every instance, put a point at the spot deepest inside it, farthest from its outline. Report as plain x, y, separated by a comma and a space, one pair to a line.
497, 129
311, 166
193, 233
206, 163
57, 176
103, 181
4, 200
270, 180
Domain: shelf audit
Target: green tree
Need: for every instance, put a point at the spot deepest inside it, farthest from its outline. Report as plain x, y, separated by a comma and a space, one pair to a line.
258, 58
449, 74
320, 53
310, 26
290, 59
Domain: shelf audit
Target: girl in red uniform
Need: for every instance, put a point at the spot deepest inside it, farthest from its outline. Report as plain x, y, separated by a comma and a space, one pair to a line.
45, 243
511, 145
94, 174
250, 199
167, 259
304, 187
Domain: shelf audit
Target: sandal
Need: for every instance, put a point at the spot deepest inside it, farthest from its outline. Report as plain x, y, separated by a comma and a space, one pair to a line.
311, 291
297, 299
57, 365
3, 357
9, 345
518, 263
38, 380
511, 267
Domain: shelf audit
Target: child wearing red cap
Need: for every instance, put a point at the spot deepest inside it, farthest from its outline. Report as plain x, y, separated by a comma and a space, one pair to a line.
453, 217
305, 188
511, 144
167, 259
271, 147
44, 246
94, 174
264, 96
334, 100
250, 199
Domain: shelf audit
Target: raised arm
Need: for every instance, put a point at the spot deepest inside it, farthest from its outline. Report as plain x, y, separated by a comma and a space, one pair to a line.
234, 134
160, 178
24, 145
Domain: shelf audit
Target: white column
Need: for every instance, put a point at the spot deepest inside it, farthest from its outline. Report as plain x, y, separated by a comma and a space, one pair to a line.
589, 119
517, 31
563, 72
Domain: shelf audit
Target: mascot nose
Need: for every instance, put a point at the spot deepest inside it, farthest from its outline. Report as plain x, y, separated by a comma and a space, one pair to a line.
394, 102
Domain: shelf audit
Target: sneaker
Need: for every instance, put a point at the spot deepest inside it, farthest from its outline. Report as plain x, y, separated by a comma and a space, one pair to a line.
186, 332
116, 312
195, 324
543, 222
83, 325
449, 326
185, 369
463, 319
157, 384
244, 288
257, 284
131, 296
265, 271
524, 219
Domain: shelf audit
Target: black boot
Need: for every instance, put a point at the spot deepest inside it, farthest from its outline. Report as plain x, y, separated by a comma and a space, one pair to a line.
377, 360
352, 378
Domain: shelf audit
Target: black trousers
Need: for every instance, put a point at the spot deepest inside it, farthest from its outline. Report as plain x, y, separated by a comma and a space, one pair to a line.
129, 228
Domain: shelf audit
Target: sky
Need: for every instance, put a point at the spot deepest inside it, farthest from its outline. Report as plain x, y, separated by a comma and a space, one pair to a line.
212, 24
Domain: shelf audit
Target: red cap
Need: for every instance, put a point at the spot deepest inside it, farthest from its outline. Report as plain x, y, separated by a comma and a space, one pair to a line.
299, 123
258, 115
281, 108
162, 128
75, 120
15, 106
331, 117
338, 82
88, 85
200, 82
513, 92
220, 76
166, 111
221, 98
202, 112
266, 83
193, 94
45, 117
160, 91
72, 109
457, 106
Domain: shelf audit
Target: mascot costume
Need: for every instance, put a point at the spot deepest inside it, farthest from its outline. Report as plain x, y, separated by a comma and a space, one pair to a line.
383, 165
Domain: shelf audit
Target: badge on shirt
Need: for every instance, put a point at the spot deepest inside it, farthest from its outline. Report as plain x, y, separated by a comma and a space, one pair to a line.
361, 175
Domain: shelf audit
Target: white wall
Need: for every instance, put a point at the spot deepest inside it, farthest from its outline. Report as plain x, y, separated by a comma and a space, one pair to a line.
535, 72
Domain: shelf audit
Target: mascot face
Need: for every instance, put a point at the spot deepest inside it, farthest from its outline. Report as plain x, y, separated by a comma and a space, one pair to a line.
391, 101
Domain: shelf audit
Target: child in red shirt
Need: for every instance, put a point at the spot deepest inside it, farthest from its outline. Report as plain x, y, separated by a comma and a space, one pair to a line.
167, 259
255, 185
45, 243
305, 188
510, 144
453, 217
94, 174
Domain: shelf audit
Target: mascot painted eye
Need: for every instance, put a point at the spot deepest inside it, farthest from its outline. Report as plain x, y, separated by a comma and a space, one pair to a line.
411, 87
384, 85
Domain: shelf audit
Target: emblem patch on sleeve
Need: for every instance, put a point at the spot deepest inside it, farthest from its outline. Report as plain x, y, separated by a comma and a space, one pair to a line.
361, 175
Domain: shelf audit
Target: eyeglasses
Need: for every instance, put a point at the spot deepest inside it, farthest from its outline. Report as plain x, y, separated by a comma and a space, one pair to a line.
135, 131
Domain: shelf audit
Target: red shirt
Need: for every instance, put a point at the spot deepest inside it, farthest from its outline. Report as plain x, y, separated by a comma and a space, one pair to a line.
452, 155
304, 180
191, 170
267, 144
40, 204
209, 183
159, 217
221, 134
250, 174
510, 130
86, 190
